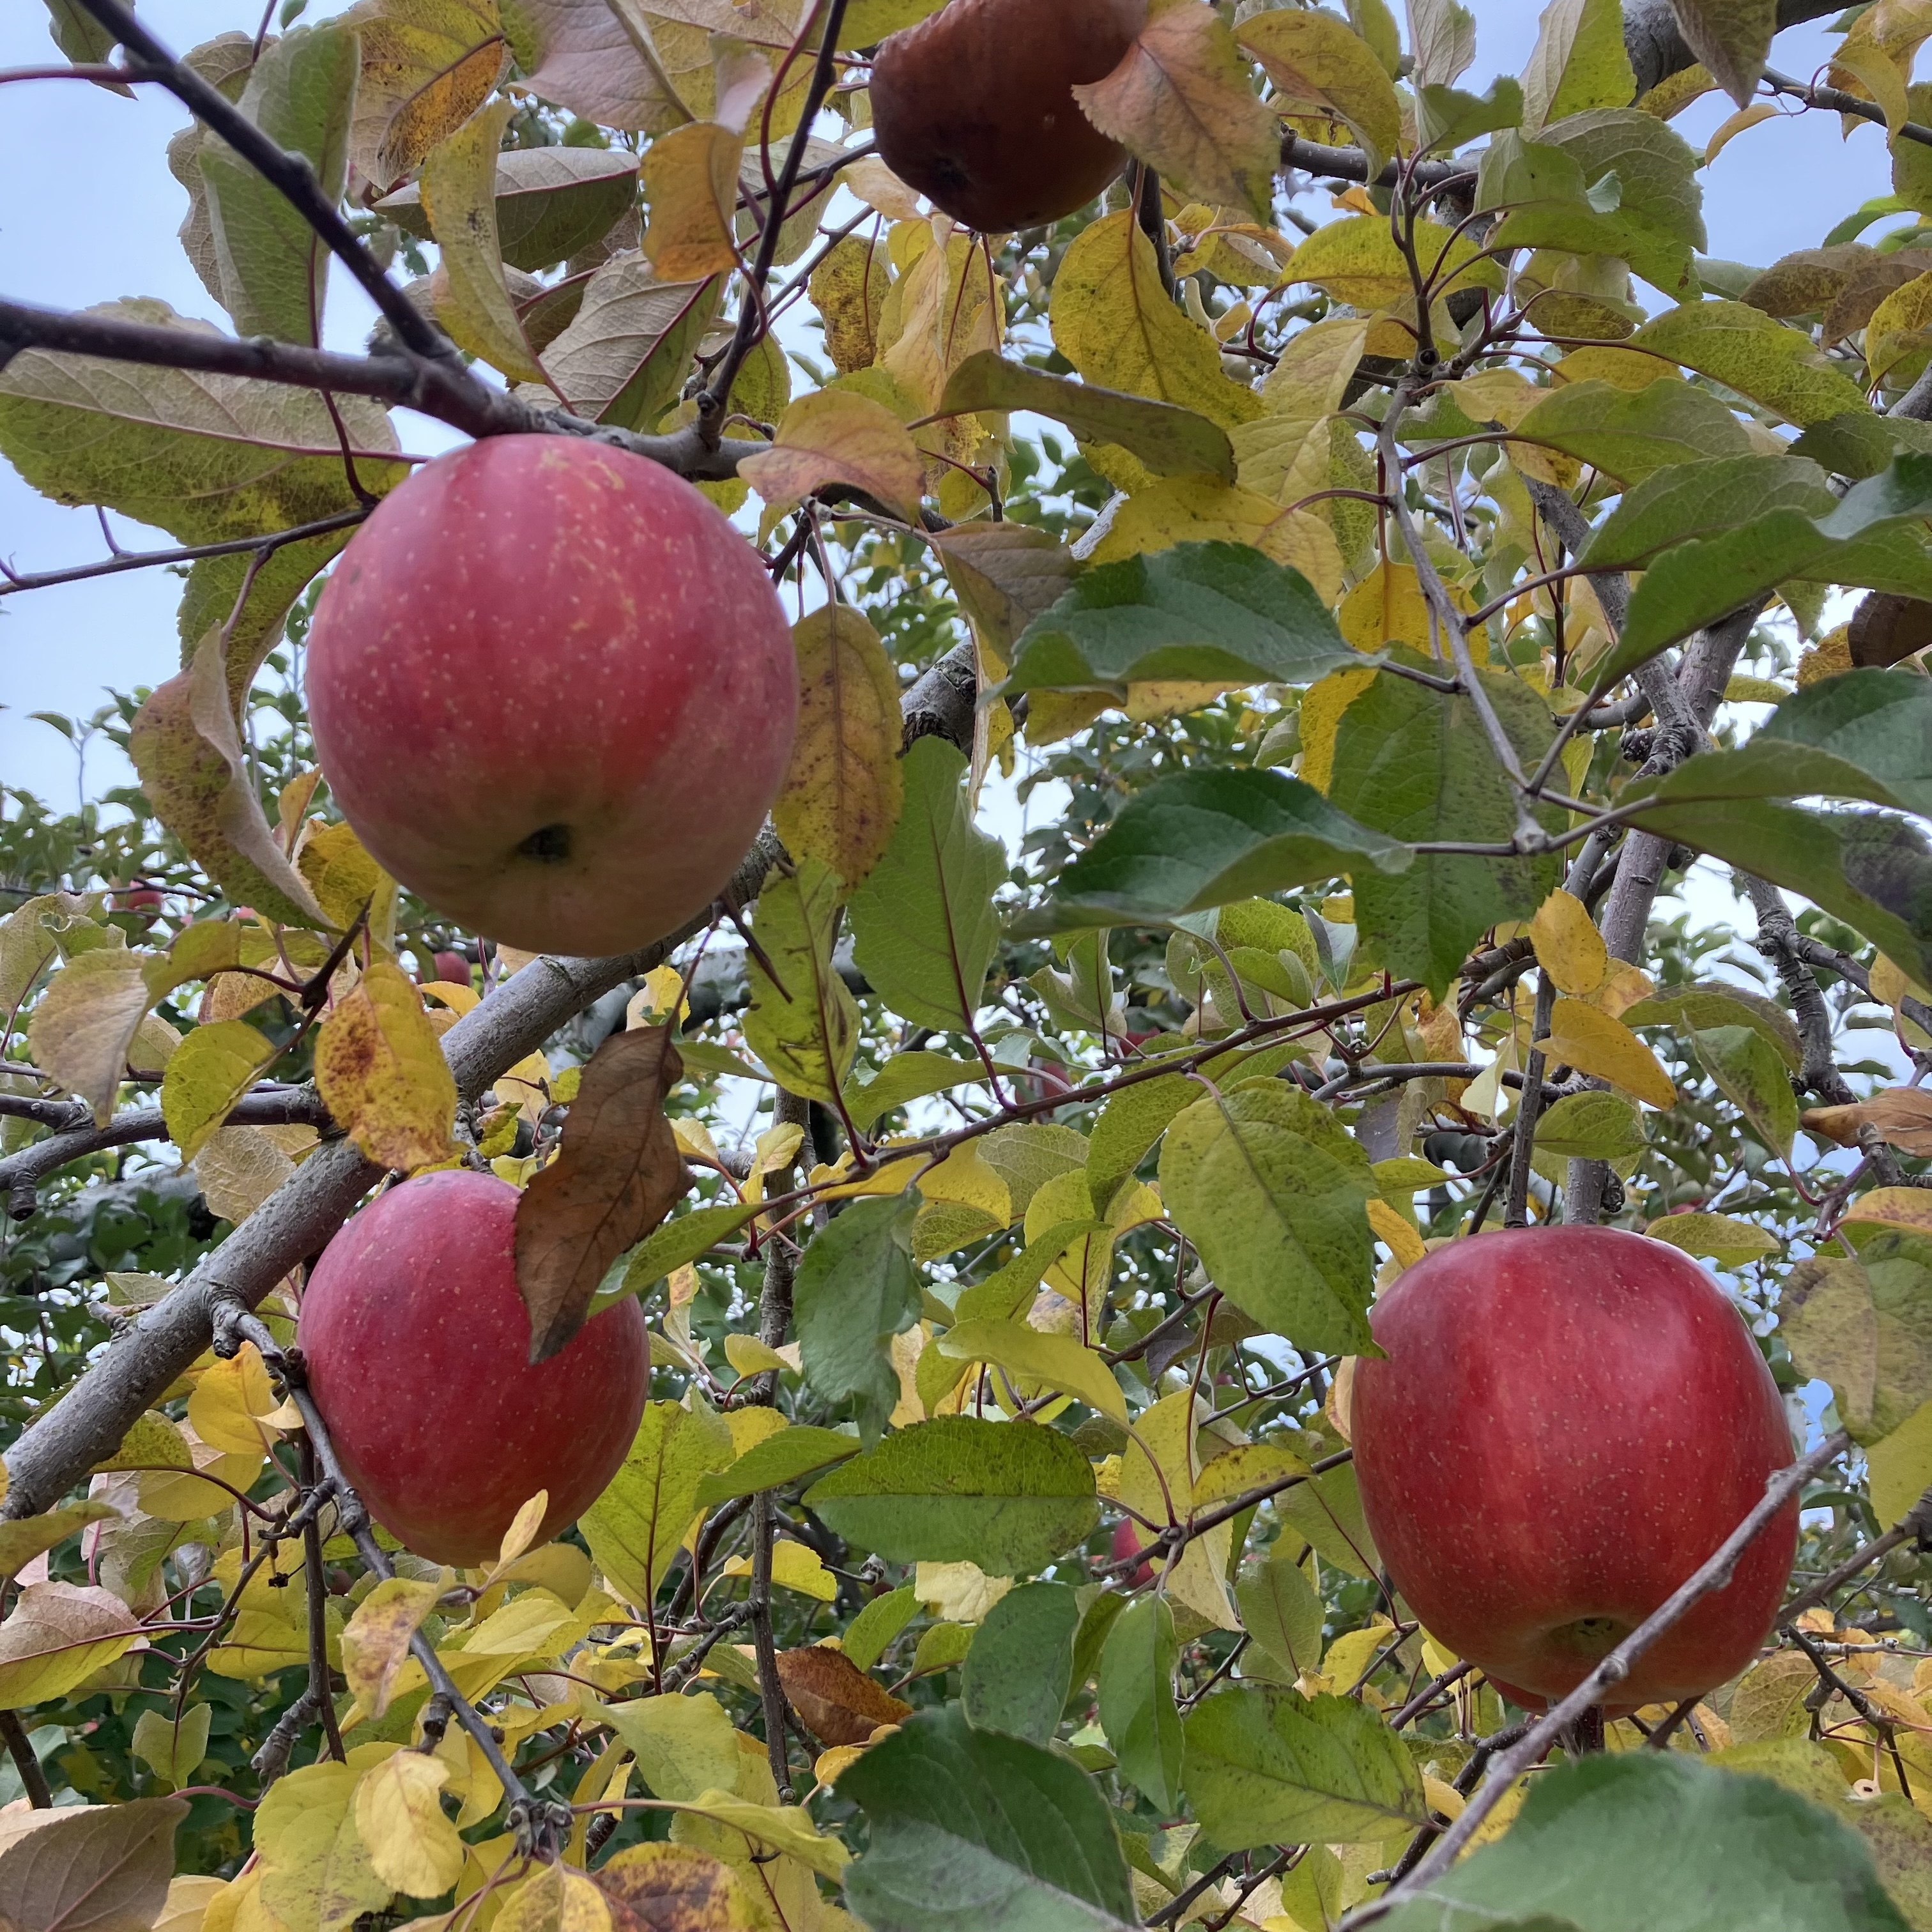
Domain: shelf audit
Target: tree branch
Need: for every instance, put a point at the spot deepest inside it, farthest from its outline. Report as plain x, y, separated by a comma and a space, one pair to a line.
12, 581
299, 1220
402, 381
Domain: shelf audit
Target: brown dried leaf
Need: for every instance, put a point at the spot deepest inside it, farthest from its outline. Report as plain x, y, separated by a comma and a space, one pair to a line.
91, 1868
1902, 1115
1005, 575
617, 1176
834, 1698
188, 752
667, 1888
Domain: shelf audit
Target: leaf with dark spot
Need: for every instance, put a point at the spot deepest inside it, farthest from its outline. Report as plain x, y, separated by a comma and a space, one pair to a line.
618, 1175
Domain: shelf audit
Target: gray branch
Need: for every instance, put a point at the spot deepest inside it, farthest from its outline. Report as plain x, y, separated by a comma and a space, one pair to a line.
297, 1222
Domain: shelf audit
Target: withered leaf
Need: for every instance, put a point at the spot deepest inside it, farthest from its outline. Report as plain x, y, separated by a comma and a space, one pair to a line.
834, 1698
1902, 1115
667, 1887
618, 1174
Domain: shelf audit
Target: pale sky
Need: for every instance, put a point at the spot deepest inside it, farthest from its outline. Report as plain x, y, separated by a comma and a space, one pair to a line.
91, 215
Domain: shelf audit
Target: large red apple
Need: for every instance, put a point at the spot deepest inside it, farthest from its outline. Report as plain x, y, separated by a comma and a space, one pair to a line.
418, 1348
1569, 1422
553, 690
974, 107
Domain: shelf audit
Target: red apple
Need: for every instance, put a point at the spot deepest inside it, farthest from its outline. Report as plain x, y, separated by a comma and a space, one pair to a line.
418, 1347
553, 690
974, 107
1129, 1537
1569, 1422
449, 969
146, 899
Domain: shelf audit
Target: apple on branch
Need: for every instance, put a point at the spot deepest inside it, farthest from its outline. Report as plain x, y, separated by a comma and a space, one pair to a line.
418, 1345
553, 690
1568, 1422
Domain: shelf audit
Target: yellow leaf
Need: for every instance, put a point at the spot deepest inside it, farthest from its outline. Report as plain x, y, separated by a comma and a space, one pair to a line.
399, 1816
1114, 322
1746, 117
794, 1567
786, 1829
1395, 1233
1898, 339
1195, 509
1159, 1468
376, 1641
1388, 607
57, 1635
1569, 947
1318, 66
834, 435
346, 882
554, 1898
848, 290
522, 1532
459, 197
213, 1068
382, 1075
1182, 101
1059, 1362
1901, 1466
1578, 63
427, 65
1357, 262
1592, 1043
844, 789
750, 1357
189, 1898
1284, 455
316, 1873
227, 1400
691, 183
84, 1023
1322, 705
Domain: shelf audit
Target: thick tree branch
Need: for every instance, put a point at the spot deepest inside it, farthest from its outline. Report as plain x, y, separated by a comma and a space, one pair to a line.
299, 1220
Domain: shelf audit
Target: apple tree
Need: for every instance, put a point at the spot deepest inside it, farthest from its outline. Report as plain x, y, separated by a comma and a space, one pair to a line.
625, 1310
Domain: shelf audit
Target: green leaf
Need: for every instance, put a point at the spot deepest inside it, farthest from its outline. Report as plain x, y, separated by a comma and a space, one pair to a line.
905, 1077
1201, 838
1716, 1237
1578, 62
1029, 1355
1274, 1194
1633, 434
173, 1748
924, 931
1136, 1700
1008, 1496
1751, 1076
1449, 116
1266, 1766
1017, 1675
685, 1746
1655, 1839
1731, 38
1873, 870
272, 266
551, 202
1415, 763
1657, 222
868, 1636
1004, 1294
206, 1074
1750, 352
970, 1830
1591, 1127
1866, 539
1878, 721
803, 1024
856, 1289
1865, 1326
1326, 1511
668, 1247
1170, 440
1713, 1004
1208, 612
782, 1457
636, 1526
1281, 1611
1704, 498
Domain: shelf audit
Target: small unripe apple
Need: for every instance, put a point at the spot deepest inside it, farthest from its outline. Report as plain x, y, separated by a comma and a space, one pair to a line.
553, 691
1568, 1423
974, 107
418, 1347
